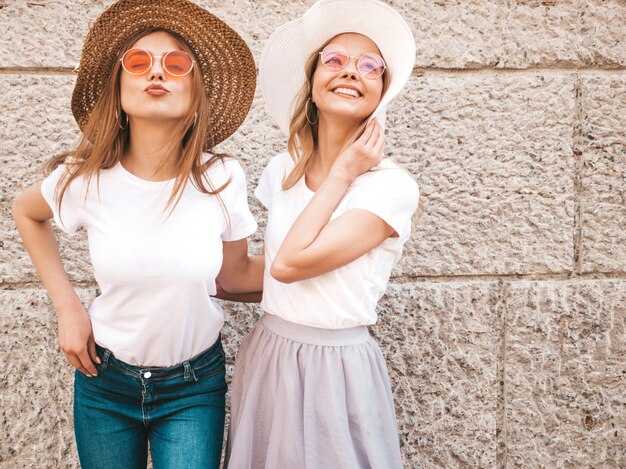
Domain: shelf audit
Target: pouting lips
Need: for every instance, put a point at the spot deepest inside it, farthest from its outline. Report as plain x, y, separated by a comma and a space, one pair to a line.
156, 91
156, 88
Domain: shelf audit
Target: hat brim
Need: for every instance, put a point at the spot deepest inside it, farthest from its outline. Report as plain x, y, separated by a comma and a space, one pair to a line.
282, 66
224, 59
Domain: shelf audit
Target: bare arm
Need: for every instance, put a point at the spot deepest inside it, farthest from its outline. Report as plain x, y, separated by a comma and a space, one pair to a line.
32, 217
240, 273
314, 246
253, 297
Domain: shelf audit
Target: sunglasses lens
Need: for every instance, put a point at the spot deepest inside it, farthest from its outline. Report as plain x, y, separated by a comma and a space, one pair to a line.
177, 63
136, 61
335, 57
371, 65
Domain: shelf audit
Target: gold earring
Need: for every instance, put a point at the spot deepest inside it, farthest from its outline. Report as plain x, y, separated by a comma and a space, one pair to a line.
117, 118
306, 112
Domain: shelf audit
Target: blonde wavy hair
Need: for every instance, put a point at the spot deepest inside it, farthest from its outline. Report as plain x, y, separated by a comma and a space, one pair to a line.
302, 134
104, 141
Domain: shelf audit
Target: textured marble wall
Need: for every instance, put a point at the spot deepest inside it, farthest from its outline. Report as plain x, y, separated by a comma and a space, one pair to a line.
504, 323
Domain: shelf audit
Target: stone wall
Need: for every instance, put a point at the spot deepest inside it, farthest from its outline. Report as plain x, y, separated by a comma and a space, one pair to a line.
503, 325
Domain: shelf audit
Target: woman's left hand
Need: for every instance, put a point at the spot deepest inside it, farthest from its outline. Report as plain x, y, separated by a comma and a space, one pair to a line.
362, 155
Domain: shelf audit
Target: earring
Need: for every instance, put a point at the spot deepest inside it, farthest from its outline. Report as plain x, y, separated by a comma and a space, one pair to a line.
306, 112
117, 118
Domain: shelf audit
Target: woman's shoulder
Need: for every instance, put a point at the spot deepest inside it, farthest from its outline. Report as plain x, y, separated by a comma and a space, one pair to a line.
388, 175
277, 168
280, 162
222, 167
61, 171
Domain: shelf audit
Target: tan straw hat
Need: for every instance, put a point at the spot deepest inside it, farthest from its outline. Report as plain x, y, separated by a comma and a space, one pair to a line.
281, 71
224, 59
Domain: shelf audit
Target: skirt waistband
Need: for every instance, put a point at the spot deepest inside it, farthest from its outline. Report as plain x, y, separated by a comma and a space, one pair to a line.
314, 335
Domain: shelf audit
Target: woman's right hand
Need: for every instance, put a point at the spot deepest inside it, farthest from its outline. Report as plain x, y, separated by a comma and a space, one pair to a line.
362, 155
76, 339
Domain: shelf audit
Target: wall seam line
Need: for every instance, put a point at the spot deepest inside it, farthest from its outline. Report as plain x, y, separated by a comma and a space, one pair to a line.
501, 401
577, 145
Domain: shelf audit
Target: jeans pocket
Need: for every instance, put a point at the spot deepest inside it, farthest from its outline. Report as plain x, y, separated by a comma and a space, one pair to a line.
88, 385
216, 364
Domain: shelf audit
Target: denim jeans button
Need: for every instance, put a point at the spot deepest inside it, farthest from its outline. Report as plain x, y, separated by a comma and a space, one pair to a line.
147, 374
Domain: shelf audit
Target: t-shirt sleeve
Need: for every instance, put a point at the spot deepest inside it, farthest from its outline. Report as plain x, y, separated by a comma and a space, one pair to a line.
263, 190
392, 195
69, 216
241, 223
271, 180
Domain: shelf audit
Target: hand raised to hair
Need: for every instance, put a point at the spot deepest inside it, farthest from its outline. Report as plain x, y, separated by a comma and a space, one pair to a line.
362, 155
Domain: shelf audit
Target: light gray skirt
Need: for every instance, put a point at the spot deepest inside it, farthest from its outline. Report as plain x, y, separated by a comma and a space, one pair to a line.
309, 398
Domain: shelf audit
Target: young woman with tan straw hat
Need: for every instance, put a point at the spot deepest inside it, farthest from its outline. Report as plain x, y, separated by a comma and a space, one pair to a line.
311, 389
159, 84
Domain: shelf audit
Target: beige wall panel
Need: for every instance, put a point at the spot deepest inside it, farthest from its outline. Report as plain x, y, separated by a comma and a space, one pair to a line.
35, 384
494, 160
603, 103
492, 155
521, 173
440, 342
565, 363
16, 266
38, 124
450, 34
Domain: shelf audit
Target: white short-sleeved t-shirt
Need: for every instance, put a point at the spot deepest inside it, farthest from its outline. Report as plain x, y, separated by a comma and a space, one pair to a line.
155, 272
347, 296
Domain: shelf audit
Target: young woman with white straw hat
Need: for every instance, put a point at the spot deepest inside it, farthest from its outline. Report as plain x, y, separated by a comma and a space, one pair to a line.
311, 389
159, 84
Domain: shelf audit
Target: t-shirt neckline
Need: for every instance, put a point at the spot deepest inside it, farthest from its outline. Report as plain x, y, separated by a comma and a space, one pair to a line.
306, 187
139, 180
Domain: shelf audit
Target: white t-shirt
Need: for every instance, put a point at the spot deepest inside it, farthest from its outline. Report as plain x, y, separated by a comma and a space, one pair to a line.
347, 296
155, 272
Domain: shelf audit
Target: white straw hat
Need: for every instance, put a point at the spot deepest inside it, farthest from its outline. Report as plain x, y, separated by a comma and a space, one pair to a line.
281, 71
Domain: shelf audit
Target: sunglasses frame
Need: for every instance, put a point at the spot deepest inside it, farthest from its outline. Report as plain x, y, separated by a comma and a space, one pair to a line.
162, 58
357, 59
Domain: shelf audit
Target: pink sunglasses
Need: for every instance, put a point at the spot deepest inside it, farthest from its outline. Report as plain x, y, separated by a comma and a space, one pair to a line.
335, 57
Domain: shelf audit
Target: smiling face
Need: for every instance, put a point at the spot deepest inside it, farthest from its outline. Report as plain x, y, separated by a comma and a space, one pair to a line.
156, 95
345, 93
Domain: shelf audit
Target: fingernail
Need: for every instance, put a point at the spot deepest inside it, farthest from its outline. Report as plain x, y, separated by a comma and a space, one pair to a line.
98, 360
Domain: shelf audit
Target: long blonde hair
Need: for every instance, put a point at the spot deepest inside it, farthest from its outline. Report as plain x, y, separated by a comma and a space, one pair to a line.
104, 141
302, 133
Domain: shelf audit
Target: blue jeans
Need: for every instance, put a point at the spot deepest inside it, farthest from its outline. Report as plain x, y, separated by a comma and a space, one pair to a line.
179, 410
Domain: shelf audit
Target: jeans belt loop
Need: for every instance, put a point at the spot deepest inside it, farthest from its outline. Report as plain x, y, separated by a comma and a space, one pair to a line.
187, 368
105, 359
